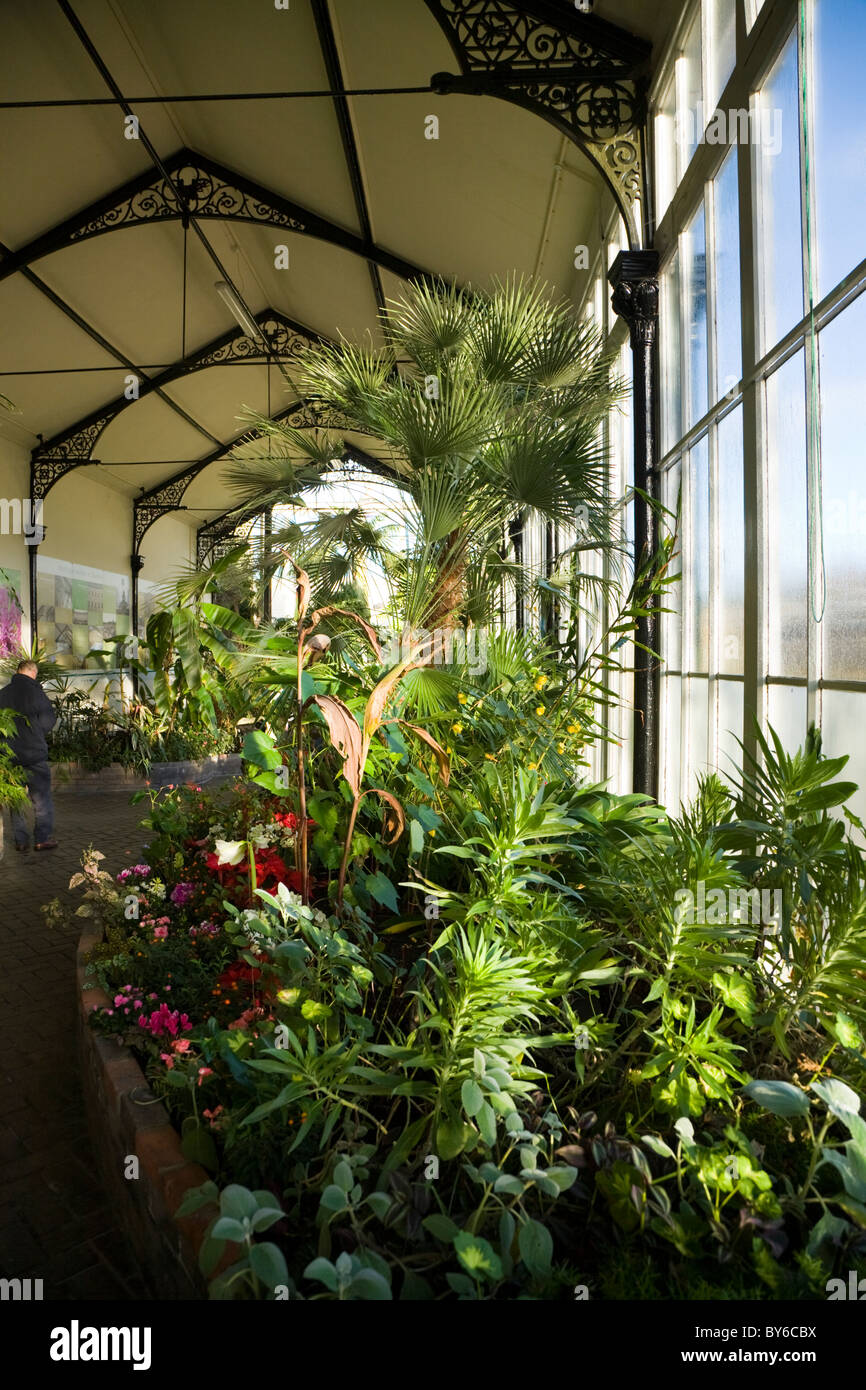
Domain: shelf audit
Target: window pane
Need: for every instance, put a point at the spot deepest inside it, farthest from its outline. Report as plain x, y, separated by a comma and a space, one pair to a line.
753, 9
843, 430
697, 573
670, 740
697, 698
730, 756
839, 139
671, 365
695, 265
787, 714
723, 52
689, 82
672, 632
726, 234
664, 131
731, 543
787, 557
779, 230
842, 721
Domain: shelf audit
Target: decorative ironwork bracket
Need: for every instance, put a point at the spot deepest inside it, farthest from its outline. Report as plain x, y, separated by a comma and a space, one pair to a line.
582, 75
73, 447
168, 496
199, 187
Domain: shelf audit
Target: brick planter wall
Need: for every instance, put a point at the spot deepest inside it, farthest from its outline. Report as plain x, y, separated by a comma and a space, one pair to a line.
124, 1118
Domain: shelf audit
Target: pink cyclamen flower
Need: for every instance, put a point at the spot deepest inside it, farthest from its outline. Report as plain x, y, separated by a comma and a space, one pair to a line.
203, 1072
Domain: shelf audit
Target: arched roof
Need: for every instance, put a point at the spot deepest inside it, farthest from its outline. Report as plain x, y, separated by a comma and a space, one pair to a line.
119, 353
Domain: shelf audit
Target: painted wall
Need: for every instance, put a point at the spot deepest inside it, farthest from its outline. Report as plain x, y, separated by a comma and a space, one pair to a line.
14, 484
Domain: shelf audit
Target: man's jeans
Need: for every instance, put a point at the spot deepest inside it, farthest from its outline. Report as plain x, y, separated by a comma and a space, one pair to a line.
38, 779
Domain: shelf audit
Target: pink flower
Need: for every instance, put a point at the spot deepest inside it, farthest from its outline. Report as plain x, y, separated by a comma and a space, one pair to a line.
160, 933
119, 999
203, 1072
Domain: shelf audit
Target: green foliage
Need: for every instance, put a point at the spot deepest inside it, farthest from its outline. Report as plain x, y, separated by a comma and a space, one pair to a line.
424, 1095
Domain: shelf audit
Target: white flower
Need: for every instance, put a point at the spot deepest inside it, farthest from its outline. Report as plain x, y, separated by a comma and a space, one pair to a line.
230, 851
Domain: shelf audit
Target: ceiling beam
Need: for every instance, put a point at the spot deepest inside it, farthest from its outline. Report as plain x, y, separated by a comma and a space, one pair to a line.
199, 187
328, 45
283, 338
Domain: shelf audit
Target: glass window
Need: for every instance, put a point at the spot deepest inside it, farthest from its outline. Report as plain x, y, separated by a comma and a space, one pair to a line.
780, 256
843, 431
723, 48
689, 103
671, 365
731, 540
664, 131
787, 558
753, 9
698, 708
697, 572
672, 620
839, 124
787, 714
726, 252
842, 729
695, 267
670, 739
730, 755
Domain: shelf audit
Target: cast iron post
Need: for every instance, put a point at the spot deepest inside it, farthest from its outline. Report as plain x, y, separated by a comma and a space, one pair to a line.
136, 565
634, 277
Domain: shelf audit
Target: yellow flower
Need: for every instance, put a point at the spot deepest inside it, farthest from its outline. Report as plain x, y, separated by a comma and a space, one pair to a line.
540, 682
540, 711
560, 748
532, 766
490, 757
448, 749
463, 699
574, 728
457, 728
431, 832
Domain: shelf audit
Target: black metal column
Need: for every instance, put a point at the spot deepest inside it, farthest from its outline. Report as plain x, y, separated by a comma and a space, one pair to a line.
32, 563
634, 277
136, 565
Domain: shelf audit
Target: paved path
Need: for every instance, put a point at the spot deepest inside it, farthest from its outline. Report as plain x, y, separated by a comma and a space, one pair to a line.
55, 1221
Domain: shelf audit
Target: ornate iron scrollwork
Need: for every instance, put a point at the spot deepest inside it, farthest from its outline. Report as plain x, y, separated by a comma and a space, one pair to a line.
196, 187
73, 448
585, 77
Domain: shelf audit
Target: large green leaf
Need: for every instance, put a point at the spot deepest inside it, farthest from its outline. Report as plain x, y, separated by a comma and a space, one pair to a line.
779, 1097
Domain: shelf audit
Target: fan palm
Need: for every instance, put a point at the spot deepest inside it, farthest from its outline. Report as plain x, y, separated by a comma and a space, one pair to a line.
486, 409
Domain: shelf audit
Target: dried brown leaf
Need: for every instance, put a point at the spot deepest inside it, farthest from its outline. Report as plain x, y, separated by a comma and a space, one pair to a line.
345, 736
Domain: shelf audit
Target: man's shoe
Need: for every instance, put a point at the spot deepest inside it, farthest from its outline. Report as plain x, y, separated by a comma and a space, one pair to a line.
47, 844
23, 849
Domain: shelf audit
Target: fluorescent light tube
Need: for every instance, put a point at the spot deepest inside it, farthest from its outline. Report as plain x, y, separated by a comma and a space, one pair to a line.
237, 310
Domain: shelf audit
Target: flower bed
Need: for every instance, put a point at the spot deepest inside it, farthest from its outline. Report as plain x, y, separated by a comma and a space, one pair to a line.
352, 1123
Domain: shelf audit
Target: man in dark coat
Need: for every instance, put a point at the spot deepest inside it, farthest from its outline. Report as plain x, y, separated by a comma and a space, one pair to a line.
36, 717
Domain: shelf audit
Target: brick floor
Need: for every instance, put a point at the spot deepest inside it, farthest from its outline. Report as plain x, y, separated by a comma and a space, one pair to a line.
56, 1223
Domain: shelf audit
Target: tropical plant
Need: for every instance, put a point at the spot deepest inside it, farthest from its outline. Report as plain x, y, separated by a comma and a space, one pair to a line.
488, 407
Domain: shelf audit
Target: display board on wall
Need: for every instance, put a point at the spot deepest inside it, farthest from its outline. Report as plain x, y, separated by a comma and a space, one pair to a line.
10, 611
80, 608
